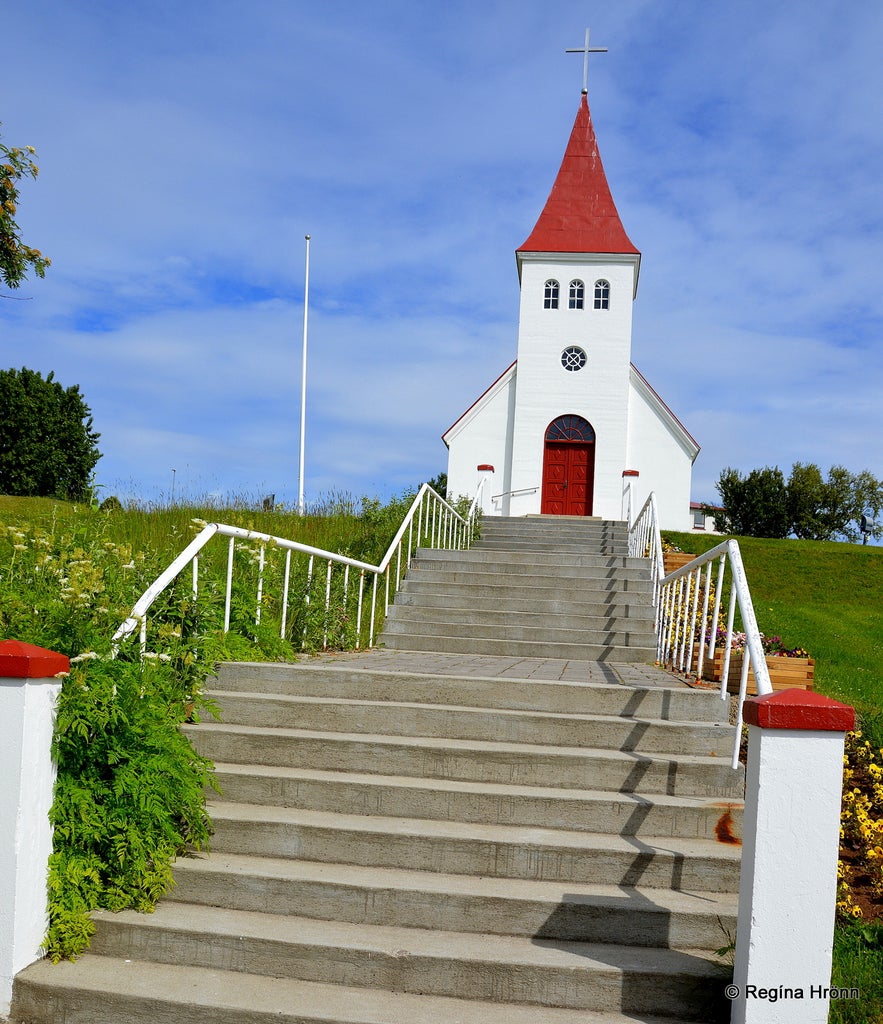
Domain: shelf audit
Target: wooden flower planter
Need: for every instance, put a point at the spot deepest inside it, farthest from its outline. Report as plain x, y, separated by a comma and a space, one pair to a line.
785, 673
672, 560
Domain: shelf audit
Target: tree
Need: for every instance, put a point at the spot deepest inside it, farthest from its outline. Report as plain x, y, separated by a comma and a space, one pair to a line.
16, 257
439, 484
808, 506
753, 506
807, 502
47, 445
848, 496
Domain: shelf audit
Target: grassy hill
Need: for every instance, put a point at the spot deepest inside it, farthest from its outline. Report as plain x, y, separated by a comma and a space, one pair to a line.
827, 598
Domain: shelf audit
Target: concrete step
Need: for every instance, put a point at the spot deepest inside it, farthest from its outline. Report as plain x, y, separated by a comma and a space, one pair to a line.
534, 971
585, 588
102, 989
542, 593
557, 526
321, 679
408, 608
571, 541
568, 573
502, 851
501, 725
509, 602
531, 558
625, 915
471, 760
465, 622
519, 649
475, 626
577, 546
480, 802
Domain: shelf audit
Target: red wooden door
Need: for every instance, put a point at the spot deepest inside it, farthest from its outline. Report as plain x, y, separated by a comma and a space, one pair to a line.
568, 478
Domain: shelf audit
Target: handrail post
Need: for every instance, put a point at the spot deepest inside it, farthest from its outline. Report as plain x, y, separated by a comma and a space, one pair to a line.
628, 475
29, 689
788, 887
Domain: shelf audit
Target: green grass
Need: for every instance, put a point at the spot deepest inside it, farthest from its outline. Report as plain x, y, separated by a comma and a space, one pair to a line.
359, 528
858, 964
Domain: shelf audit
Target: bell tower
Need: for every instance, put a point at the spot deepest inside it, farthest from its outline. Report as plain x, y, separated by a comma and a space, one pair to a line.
578, 271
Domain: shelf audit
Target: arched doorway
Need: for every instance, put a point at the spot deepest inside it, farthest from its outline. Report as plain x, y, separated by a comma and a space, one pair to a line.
568, 467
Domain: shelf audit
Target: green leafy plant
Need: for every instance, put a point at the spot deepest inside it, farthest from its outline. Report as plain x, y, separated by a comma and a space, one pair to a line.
129, 796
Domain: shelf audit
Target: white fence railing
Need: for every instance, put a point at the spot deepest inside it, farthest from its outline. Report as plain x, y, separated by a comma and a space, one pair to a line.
344, 595
688, 604
645, 542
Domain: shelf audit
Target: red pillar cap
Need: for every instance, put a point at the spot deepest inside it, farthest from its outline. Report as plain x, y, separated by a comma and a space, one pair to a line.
485, 468
19, 660
798, 709
630, 472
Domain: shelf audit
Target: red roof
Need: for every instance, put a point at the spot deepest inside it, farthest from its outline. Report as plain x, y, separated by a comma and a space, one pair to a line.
580, 215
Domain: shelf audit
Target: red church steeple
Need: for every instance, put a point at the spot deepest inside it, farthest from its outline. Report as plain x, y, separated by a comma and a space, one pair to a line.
580, 215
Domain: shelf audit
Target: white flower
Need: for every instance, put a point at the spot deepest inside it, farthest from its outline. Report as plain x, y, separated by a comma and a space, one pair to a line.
85, 656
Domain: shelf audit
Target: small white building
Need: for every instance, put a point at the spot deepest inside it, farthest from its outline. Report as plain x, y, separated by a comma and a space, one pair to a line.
572, 420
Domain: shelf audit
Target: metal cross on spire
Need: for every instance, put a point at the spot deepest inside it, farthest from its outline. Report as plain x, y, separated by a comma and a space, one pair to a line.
585, 51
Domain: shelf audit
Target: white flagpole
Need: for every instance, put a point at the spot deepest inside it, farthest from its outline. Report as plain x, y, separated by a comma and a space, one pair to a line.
303, 382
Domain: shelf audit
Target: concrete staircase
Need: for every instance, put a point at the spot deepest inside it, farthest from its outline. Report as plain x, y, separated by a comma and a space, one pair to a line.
523, 841
535, 587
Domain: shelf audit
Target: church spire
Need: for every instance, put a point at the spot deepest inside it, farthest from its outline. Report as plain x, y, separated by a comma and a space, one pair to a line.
580, 215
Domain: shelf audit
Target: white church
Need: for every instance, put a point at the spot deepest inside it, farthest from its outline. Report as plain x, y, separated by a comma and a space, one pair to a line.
572, 420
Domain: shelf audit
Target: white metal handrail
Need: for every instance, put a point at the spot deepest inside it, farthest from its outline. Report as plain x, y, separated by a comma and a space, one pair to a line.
685, 636
519, 490
430, 522
645, 541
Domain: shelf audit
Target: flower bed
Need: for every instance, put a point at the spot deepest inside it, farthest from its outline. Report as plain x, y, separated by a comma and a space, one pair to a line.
788, 667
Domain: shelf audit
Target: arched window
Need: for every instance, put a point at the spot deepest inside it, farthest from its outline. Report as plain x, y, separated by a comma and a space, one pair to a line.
602, 294
577, 294
550, 296
570, 428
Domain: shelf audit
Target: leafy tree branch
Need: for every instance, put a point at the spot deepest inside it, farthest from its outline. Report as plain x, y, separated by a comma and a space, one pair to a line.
16, 257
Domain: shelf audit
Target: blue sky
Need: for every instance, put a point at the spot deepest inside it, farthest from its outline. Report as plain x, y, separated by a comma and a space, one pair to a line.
186, 148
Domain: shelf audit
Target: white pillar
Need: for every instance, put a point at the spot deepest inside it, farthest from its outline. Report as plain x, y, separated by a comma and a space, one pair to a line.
486, 473
630, 506
788, 887
28, 692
